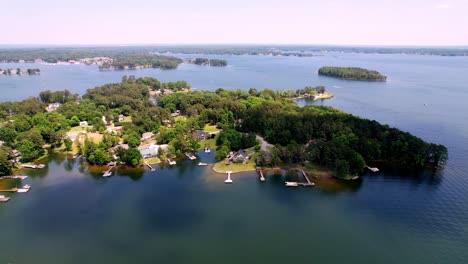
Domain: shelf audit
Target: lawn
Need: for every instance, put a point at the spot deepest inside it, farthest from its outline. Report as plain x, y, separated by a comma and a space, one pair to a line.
236, 167
127, 119
210, 143
79, 128
210, 129
154, 160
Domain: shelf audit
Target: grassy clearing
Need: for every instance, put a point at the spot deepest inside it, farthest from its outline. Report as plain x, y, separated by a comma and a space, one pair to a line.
236, 167
210, 129
154, 160
79, 128
127, 119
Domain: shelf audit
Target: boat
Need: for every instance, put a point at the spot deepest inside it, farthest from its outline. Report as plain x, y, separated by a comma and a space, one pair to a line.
40, 166
22, 190
203, 164
207, 150
190, 156
373, 169
27, 186
291, 184
4, 199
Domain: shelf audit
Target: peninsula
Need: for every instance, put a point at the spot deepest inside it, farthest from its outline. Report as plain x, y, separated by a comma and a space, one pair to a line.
119, 122
352, 73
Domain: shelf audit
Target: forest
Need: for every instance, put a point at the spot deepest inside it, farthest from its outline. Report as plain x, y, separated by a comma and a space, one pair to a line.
322, 135
135, 61
352, 73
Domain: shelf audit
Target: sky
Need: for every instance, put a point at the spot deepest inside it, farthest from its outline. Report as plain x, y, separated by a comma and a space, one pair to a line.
331, 22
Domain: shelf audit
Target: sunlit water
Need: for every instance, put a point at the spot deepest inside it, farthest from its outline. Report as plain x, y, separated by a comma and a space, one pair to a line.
186, 214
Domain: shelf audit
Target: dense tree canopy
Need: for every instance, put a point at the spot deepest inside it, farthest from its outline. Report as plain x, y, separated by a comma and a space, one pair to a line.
352, 73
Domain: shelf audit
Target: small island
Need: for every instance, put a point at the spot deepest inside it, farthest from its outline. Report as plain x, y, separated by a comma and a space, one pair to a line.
352, 73
207, 62
18, 71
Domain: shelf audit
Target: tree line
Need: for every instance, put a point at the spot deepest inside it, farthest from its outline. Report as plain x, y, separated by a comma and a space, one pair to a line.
352, 73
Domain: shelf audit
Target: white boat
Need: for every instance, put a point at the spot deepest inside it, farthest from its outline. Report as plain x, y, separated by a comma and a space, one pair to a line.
27, 186
22, 190
4, 199
203, 164
291, 184
373, 169
207, 150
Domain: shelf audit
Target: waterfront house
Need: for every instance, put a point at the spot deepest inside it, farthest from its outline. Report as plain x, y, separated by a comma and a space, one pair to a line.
200, 135
84, 123
121, 118
147, 136
150, 150
53, 107
239, 156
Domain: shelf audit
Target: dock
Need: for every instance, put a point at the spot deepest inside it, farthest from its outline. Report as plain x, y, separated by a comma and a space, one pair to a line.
207, 150
373, 169
260, 171
228, 180
13, 177
108, 172
32, 166
149, 166
305, 184
203, 164
10, 190
171, 162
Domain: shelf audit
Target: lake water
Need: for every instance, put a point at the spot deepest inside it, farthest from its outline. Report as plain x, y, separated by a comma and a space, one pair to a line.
186, 214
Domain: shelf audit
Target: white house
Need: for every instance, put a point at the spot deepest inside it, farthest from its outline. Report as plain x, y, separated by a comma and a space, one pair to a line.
84, 123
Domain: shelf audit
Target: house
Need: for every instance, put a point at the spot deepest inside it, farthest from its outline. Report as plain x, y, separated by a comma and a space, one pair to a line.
53, 107
84, 123
147, 136
114, 129
200, 135
150, 150
239, 156
121, 118
122, 145
176, 113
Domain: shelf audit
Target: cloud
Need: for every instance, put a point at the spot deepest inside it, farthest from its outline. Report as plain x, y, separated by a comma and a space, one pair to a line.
443, 6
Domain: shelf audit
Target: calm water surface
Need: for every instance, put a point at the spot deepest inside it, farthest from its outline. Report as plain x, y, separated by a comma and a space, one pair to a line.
186, 214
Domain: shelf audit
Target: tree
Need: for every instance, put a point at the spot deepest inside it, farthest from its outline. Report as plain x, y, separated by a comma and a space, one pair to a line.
221, 153
132, 157
5, 164
29, 151
68, 144
8, 135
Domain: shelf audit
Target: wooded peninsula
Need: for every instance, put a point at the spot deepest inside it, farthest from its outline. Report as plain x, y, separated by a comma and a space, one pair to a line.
119, 122
352, 73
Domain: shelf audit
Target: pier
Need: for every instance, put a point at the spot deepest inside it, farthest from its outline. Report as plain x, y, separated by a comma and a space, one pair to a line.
373, 169
32, 166
190, 156
228, 180
10, 190
260, 171
108, 172
149, 166
13, 177
305, 184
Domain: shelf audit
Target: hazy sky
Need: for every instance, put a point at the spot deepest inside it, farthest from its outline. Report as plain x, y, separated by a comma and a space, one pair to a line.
352, 22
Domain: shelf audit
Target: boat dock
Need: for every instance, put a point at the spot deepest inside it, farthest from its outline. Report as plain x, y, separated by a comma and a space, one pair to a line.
305, 184
171, 162
10, 190
32, 166
149, 166
207, 150
260, 171
203, 164
228, 180
108, 172
373, 169
14, 177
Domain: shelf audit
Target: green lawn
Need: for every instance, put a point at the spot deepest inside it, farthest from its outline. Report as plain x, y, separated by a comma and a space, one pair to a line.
210, 129
79, 128
127, 119
154, 160
236, 167
211, 143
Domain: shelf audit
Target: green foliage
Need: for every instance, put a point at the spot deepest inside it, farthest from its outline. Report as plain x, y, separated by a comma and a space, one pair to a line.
5, 164
221, 153
352, 73
132, 157
68, 144
29, 151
